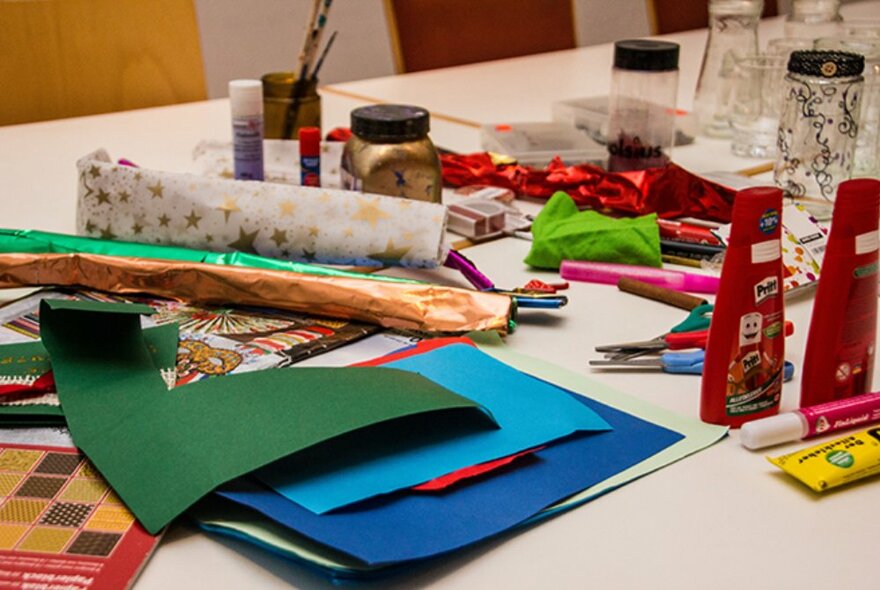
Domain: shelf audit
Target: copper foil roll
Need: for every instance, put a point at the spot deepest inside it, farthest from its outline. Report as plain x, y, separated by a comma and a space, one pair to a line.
422, 307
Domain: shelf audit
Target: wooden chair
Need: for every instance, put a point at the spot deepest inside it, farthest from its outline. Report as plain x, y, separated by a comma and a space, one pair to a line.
65, 58
671, 16
428, 34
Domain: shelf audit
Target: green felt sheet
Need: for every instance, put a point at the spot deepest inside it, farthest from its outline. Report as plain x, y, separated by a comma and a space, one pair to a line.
162, 450
561, 232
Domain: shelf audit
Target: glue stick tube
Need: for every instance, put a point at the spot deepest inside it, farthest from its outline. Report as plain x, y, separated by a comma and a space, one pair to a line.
745, 351
834, 463
610, 273
246, 104
826, 418
310, 156
839, 359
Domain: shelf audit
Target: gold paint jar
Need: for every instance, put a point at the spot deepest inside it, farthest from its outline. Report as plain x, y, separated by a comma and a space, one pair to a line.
390, 153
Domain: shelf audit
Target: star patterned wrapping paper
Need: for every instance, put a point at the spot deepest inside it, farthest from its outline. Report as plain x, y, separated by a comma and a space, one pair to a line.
322, 225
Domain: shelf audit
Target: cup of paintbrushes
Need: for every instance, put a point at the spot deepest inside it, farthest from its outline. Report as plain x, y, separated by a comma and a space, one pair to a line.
288, 105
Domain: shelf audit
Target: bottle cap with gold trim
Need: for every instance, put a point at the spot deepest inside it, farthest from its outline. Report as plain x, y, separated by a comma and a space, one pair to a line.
826, 64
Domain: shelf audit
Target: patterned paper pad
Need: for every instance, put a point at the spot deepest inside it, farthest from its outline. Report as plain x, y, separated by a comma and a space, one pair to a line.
62, 524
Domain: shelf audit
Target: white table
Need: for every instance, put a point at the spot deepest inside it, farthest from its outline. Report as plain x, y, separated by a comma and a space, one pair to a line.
724, 518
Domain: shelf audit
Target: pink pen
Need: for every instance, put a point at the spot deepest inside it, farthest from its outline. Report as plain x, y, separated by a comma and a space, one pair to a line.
609, 273
840, 414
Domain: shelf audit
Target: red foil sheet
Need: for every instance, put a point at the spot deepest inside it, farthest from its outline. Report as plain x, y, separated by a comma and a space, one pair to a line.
670, 191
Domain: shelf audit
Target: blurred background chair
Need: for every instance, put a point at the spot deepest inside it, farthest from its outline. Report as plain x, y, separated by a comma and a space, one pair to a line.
429, 34
65, 58
671, 16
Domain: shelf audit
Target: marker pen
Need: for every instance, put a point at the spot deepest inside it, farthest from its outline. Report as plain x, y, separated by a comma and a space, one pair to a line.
610, 273
246, 104
813, 421
310, 156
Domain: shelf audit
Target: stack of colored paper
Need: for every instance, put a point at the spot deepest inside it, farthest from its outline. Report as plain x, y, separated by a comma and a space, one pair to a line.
354, 470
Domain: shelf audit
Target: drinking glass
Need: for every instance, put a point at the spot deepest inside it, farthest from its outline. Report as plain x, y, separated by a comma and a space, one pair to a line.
757, 103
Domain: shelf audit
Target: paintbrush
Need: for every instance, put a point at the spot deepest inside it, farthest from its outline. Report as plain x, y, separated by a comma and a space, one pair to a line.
317, 24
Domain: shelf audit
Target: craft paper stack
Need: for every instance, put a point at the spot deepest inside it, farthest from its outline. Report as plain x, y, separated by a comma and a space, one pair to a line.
355, 470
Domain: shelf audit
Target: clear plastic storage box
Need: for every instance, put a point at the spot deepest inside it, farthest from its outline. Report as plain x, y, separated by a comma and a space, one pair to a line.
536, 144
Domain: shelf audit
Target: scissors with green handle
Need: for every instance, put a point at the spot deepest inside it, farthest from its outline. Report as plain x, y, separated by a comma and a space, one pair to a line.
697, 320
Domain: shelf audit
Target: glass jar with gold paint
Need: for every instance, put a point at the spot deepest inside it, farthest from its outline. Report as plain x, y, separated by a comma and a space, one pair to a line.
390, 153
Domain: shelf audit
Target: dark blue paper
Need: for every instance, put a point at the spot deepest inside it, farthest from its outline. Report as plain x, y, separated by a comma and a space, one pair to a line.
409, 525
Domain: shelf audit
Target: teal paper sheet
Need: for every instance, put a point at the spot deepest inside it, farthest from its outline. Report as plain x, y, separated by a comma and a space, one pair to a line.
529, 412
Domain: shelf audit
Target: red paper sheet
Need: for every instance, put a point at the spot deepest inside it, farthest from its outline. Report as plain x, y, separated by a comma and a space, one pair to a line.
444, 481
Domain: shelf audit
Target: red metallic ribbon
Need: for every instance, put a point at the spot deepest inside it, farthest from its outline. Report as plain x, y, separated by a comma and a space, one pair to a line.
670, 191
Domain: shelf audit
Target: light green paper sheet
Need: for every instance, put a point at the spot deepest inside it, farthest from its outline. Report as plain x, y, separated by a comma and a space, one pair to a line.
698, 435
215, 514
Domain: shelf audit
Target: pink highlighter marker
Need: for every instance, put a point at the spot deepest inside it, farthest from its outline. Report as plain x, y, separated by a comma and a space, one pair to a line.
609, 273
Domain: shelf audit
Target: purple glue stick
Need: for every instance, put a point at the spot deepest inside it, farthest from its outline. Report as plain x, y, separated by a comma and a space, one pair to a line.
246, 104
609, 273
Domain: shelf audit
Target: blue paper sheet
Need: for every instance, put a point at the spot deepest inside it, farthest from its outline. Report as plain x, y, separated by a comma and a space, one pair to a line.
529, 412
409, 525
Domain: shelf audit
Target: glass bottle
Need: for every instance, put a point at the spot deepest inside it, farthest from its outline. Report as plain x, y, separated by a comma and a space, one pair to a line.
866, 159
812, 19
644, 88
390, 153
818, 125
733, 30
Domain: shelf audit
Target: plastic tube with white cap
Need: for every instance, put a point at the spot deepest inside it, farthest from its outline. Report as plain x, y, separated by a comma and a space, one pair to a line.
812, 421
246, 104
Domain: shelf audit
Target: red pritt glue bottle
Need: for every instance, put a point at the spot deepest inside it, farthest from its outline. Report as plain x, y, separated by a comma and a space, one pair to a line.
745, 353
839, 360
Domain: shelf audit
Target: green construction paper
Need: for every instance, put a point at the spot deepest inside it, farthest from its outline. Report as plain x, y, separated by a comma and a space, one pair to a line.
37, 242
561, 232
698, 435
31, 358
163, 450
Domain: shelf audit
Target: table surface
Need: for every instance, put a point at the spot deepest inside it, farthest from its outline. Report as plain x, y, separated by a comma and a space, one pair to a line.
723, 518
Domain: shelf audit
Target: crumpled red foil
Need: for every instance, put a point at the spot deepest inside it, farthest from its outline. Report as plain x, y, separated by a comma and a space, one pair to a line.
670, 191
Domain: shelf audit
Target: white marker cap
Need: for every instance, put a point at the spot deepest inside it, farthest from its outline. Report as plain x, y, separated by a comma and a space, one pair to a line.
774, 430
246, 98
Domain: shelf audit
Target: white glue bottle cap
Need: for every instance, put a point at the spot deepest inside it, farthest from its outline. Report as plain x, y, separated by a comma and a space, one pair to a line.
773, 430
246, 98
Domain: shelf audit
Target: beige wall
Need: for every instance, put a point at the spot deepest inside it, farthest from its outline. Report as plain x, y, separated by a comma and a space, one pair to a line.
246, 39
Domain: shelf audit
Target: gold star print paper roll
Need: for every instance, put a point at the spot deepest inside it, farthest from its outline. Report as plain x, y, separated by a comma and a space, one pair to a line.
322, 225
